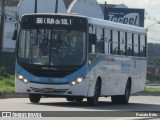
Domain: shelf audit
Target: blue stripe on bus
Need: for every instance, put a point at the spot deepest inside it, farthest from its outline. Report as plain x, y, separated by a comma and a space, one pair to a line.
94, 63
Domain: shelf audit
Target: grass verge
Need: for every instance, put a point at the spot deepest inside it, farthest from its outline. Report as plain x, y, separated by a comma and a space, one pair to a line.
152, 90
7, 85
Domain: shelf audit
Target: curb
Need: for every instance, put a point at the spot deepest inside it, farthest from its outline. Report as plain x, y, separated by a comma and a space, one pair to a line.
13, 95
146, 94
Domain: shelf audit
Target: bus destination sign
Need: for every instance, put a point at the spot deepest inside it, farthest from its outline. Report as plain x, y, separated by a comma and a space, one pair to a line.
54, 21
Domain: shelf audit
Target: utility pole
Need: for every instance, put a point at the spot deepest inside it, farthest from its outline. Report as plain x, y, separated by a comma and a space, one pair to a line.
56, 7
105, 7
35, 7
2, 23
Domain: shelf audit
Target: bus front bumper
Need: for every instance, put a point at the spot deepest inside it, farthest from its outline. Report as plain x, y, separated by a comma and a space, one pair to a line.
52, 89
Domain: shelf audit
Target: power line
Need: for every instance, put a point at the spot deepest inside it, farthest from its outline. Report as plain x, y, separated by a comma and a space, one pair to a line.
148, 17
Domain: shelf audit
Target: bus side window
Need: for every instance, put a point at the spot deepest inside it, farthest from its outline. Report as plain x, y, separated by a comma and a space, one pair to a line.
107, 39
115, 44
92, 39
136, 45
143, 46
100, 41
122, 43
129, 44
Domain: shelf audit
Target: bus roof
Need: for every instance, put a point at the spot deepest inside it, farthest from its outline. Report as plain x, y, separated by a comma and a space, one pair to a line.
117, 26
100, 22
60, 14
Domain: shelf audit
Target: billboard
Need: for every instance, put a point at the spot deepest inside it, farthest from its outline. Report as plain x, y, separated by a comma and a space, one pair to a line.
125, 15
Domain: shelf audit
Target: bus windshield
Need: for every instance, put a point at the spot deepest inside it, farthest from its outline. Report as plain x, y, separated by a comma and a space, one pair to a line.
52, 47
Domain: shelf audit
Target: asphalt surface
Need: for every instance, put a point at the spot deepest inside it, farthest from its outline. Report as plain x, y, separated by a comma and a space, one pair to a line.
138, 105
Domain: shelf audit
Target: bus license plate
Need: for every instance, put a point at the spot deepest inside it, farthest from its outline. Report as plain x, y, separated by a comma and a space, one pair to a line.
48, 90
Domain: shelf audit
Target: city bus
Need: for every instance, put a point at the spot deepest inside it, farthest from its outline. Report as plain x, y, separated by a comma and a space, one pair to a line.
79, 57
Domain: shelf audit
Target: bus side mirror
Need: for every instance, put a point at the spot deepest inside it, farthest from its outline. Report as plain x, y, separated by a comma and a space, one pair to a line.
15, 33
14, 37
92, 39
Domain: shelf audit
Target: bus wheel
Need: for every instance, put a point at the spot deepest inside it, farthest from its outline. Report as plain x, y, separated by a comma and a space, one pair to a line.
94, 100
34, 98
122, 99
71, 99
79, 99
125, 97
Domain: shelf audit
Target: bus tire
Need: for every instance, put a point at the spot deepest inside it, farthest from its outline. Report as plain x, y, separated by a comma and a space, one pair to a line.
76, 99
34, 98
92, 101
122, 99
79, 99
70, 99
115, 99
125, 97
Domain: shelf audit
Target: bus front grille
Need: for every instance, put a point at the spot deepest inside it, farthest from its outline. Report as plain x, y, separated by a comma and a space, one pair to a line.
42, 73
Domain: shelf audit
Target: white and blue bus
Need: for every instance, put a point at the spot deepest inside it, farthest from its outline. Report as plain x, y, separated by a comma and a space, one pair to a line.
77, 57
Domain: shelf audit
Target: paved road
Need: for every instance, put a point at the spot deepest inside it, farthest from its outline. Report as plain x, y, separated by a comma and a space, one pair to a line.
137, 103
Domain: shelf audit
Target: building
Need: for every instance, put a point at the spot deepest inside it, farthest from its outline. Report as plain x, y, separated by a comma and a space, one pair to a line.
10, 14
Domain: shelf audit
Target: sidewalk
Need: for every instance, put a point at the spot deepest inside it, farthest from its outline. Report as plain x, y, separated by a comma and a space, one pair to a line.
153, 86
13, 95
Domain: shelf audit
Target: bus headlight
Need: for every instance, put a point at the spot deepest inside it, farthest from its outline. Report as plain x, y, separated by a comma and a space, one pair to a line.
75, 82
22, 78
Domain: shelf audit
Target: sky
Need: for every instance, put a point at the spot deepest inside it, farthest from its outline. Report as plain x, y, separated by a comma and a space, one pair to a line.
152, 11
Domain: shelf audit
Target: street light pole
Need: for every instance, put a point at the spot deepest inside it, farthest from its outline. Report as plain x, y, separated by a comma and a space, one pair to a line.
105, 7
2, 24
35, 7
56, 7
